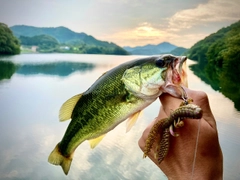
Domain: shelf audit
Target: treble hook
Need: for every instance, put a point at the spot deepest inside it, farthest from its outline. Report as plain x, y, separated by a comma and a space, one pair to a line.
184, 96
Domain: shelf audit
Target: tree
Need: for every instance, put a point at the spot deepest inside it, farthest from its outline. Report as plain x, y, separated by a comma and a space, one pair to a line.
9, 44
119, 51
43, 41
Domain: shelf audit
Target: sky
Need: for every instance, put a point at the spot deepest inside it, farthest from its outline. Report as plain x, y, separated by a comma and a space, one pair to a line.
127, 22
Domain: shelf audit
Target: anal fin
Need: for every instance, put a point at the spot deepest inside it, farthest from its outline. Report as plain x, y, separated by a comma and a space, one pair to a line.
94, 142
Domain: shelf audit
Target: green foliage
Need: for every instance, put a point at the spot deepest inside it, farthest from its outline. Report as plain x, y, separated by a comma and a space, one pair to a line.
7, 69
199, 51
44, 42
218, 57
9, 45
118, 51
90, 49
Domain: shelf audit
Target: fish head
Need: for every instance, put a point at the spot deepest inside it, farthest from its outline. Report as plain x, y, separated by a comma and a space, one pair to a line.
176, 77
148, 78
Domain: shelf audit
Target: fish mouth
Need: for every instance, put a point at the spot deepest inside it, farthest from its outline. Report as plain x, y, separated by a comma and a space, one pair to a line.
179, 75
175, 77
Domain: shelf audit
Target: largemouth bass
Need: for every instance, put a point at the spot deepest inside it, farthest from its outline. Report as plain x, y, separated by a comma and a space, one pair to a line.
120, 93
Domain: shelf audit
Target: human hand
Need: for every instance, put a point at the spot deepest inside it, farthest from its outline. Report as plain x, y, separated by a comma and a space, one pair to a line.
178, 163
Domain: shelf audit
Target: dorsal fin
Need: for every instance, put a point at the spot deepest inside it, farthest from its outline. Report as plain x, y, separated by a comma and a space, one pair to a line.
132, 120
65, 112
94, 142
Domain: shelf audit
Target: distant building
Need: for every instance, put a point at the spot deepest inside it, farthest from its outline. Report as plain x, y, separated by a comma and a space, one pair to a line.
64, 47
34, 48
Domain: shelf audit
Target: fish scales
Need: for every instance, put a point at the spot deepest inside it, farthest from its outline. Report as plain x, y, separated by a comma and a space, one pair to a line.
95, 100
118, 94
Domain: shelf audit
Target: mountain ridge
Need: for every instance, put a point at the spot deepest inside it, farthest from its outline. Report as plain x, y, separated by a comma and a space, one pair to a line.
151, 49
61, 33
74, 42
66, 36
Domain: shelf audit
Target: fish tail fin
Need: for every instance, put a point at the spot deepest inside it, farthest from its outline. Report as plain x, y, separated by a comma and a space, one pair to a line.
57, 158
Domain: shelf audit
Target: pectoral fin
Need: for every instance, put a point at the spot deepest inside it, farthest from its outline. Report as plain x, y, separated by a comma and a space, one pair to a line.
94, 142
132, 120
65, 112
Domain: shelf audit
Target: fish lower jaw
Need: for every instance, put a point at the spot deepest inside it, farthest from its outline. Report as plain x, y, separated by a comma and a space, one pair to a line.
179, 71
176, 78
148, 97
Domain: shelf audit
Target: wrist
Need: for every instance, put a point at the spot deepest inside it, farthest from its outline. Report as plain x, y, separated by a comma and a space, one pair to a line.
206, 168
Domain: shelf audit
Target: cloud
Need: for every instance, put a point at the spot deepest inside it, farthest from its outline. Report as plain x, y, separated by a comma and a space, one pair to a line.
146, 30
128, 22
146, 33
212, 12
143, 33
184, 28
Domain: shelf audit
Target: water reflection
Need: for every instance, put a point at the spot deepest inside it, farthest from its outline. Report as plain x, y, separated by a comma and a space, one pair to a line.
29, 128
55, 68
229, 88
7, 69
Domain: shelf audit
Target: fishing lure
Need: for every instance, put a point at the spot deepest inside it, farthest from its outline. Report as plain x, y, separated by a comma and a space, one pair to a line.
164, 127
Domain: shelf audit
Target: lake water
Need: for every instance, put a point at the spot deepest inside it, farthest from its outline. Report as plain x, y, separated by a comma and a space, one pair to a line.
29, 130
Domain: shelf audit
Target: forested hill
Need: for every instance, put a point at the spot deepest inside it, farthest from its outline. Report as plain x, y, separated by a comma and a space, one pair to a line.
62, 34
79, 42
218, 57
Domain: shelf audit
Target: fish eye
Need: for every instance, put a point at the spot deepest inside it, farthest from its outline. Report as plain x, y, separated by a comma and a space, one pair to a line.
160, 63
